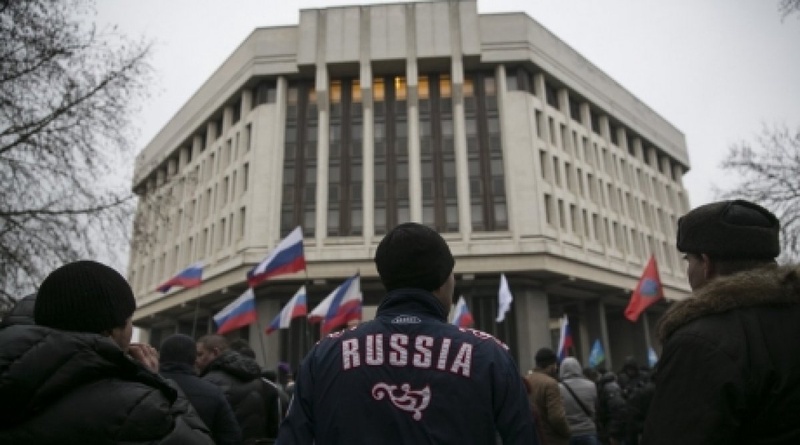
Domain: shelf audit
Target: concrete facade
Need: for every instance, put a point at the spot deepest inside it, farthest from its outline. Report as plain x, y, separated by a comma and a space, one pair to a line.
592, 178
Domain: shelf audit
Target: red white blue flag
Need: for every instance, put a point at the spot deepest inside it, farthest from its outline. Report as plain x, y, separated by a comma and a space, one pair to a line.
296, 307
342, 306
647, 292
287, 258
565, 340
240, 313
190, 277
461, 315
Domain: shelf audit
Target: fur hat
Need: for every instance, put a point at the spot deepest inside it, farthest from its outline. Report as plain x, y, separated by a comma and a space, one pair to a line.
730, 229
178, 348
84, 296
413, 255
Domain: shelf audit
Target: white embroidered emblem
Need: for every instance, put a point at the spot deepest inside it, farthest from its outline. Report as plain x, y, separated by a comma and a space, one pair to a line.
410, 400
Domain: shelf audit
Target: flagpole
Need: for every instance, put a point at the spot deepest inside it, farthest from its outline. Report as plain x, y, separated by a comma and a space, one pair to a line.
646, 325
305, 333
196, 310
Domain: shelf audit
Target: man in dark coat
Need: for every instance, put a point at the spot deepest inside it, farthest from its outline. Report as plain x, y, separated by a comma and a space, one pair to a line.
255, 402
177, 357
729, 372
410, 377
74, 377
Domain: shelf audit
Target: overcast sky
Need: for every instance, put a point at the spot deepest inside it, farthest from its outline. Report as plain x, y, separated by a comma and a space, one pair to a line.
716, 69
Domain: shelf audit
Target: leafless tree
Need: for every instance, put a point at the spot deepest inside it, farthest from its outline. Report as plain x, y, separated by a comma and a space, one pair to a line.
67, 92
769, 172
787, 7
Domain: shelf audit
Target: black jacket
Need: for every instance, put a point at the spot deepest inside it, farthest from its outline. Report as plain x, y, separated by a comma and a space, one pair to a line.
255, 402
208, 400
60, 387
408, 377
730, 369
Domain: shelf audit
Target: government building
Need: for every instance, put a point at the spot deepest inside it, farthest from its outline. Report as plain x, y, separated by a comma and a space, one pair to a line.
529, 160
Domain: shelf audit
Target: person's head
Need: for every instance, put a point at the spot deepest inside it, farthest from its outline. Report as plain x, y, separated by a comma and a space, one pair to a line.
209, 347
178, 348
631, 367
727, 237
86, 296
546, 361
415, 256
570, 368
242, 347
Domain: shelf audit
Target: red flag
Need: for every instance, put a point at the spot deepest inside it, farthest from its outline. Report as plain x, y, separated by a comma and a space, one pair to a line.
647, 292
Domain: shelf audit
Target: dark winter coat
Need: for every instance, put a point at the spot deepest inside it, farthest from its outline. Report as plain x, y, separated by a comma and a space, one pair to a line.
611, 412
255, 402
730, 369
60, 387
408, 377
208, 400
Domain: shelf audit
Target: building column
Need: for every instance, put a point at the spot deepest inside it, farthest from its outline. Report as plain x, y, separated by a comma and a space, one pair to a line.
533, 325
368, 151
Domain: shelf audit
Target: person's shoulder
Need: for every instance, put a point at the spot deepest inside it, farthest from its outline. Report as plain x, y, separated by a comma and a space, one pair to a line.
479, 337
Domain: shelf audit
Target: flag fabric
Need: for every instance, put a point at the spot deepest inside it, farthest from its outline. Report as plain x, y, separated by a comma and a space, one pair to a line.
652, 358
504, 299
647, 292
565, 341
461, 315
190, 277
296, 307
241, 312
342, 306
287, 258
596, 355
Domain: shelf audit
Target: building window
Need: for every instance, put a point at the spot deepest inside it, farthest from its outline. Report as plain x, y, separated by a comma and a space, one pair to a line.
345, 161
484, 155
437, 150
300, 158
390, 136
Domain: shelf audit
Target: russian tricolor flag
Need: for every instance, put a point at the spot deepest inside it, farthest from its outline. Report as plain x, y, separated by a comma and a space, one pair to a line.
241, 312
342, 306
287, 258
190, 277
296, 307
565, 341
461, 316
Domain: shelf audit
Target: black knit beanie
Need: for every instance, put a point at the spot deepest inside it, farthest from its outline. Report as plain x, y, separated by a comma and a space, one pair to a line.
730, 230
178, 348
413, 255
84, 296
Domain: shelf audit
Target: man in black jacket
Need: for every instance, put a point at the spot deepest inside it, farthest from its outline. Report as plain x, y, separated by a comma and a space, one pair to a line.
177, 359
410, 377
730, 369
74, 377
255, 402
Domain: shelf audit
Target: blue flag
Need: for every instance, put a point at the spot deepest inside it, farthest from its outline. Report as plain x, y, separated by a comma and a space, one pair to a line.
597, 355
652, 358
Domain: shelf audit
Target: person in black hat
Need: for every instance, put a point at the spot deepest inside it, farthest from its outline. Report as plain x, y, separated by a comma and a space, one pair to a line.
729, 372
408, 376
75, 377
546, 399
177, 358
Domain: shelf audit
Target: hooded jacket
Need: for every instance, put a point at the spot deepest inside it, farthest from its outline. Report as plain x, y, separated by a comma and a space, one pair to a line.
255, 403
571, 373
408, 377
730, 369
59, 387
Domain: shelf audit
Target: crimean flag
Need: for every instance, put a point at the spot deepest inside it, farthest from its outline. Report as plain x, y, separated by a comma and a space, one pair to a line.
288, 257
240, 313
296, 307
647, 292
597, 355
565, 340
461, 315
342, 306
190, 277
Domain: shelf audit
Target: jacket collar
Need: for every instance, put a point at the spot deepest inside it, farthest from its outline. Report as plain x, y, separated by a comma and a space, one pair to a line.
409, 300
764, 286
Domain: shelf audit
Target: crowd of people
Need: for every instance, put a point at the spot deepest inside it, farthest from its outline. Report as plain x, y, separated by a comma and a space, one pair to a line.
729, 372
